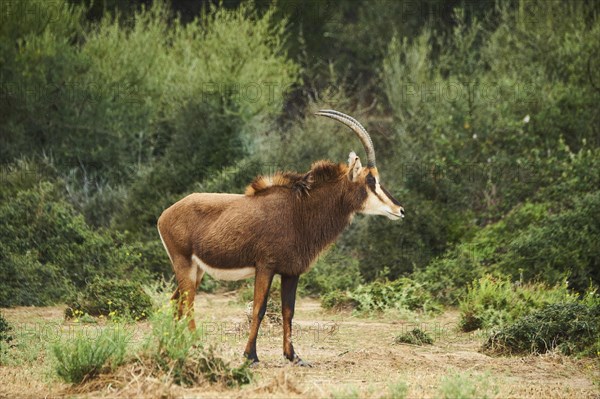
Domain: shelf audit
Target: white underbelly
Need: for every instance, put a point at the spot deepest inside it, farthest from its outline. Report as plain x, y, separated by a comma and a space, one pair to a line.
224, 274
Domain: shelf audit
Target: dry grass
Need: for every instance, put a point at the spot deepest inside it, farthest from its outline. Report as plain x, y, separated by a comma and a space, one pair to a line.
347, 353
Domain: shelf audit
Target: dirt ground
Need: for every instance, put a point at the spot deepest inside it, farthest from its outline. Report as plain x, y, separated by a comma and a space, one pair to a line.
351, 357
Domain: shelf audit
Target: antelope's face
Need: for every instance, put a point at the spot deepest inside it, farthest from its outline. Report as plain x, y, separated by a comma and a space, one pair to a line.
379, 201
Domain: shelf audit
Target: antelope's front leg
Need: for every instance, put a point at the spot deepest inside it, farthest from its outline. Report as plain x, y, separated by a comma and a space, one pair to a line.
262, 285
288, 303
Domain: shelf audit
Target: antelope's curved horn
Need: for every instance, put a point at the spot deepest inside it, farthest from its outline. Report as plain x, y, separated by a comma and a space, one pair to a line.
355, 125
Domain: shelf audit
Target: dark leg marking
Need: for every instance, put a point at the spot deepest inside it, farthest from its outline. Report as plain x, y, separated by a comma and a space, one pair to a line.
289, 284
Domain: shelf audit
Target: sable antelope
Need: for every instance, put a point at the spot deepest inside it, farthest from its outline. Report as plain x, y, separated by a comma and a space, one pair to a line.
278, 226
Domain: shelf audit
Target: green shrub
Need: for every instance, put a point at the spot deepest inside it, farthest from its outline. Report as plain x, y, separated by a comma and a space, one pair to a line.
112, 298
5, 337
84, 356
563, 243
47, 250
5, 329
572, 328
173, 349
415, 337
402, 293
548, 242
495, 301
488, 160
24, 280
171, 340
447, 277
205, 111
332, 271
337, 300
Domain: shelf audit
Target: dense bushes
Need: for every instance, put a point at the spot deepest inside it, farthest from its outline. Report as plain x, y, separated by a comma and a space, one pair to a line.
334, 270
222, 82
475, 132
147, 102
378, 296
492, 302
549, 239
134, 112
571, 328
113, 298
47, 250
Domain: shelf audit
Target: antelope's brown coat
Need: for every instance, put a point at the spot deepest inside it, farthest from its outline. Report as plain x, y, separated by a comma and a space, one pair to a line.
282, 222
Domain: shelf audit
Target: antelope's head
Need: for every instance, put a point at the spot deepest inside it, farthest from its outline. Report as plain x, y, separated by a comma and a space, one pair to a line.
379, 201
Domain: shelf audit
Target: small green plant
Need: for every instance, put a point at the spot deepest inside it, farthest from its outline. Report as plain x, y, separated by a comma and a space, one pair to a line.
171, 339
89, 353
495, 301
159, 290
5, 337
347, 392
466, 387
571, 328
215, 369
22, 346
87, 319
5, 330
111, 298
415, 337
172, 348
397, 390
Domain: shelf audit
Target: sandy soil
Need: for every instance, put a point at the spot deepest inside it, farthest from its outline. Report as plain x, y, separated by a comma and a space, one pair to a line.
349, 355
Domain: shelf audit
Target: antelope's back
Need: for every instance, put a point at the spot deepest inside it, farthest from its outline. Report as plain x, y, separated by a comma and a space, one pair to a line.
227, 230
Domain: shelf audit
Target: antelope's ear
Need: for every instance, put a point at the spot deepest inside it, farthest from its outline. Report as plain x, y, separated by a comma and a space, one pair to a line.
354, 165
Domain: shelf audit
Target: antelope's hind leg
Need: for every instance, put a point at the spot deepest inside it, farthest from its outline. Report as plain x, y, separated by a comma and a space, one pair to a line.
188, 276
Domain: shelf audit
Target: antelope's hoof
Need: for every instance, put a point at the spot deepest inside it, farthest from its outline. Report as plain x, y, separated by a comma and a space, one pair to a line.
302, 363
253, 363
296, 361
252, 359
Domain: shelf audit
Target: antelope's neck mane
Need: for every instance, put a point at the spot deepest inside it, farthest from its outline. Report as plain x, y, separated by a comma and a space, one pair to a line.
321, 204
321, 173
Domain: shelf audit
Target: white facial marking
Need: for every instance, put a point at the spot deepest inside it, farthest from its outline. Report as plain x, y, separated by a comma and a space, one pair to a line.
380, 204
225, 274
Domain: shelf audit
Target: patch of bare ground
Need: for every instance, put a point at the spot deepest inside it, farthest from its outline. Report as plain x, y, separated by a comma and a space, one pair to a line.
346, 352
